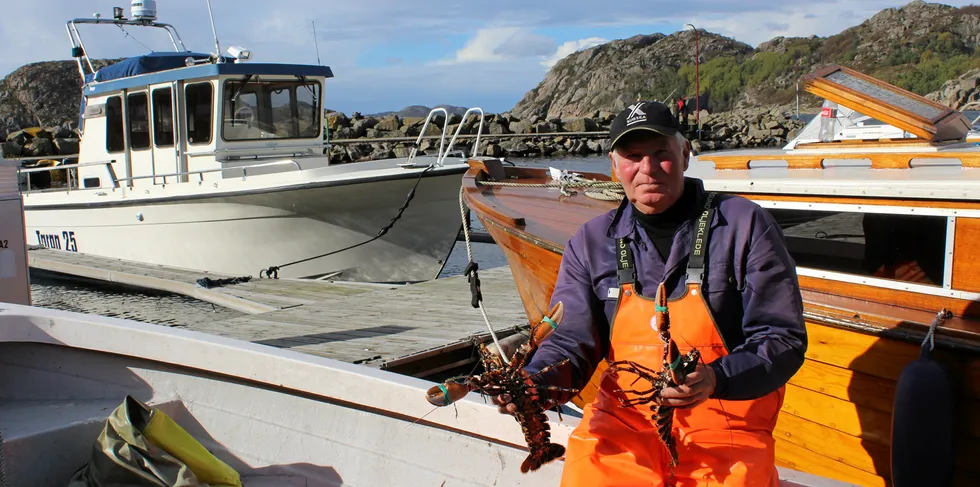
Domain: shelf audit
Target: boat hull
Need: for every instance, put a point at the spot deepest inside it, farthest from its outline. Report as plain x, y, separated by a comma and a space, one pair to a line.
242, 234
836, 416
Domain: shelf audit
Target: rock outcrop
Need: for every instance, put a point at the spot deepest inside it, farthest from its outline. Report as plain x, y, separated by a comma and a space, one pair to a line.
962, 93
917, 47
45, 94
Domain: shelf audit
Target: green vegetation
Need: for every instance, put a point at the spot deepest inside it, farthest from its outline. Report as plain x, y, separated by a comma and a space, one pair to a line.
921, 66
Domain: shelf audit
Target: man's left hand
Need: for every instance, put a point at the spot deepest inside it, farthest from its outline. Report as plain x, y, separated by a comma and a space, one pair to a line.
698, 388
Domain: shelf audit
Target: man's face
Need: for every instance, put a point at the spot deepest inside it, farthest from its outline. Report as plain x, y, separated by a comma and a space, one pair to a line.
651, 167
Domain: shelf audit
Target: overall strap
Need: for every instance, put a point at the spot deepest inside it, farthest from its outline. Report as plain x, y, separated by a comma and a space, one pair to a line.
626, 270
699, 245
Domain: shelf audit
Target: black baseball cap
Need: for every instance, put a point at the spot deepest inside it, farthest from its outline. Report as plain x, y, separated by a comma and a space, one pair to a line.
652, 116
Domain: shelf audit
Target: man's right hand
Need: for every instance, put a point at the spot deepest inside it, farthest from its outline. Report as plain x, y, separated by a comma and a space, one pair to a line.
505, 406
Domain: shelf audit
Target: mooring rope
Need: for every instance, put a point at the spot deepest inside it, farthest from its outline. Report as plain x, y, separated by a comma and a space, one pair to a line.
3, 468
474, 279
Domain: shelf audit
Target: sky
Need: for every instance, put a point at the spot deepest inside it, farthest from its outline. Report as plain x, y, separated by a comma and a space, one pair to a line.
388, 54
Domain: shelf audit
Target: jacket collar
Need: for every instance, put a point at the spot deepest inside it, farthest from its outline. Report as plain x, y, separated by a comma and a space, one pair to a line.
624, 225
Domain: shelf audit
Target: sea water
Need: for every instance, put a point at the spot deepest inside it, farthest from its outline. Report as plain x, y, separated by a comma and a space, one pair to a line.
176, 310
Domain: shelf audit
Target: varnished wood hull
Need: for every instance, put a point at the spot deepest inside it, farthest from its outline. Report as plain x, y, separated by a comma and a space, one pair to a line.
837, 413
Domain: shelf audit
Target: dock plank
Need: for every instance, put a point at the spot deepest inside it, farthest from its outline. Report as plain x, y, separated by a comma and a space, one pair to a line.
369, 324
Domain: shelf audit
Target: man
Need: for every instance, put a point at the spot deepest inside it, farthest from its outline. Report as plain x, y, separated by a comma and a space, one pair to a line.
738, 303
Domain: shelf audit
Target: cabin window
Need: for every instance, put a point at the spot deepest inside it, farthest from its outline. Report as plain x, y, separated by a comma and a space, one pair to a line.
199, 99
256, 109
114, 125
139, 121
908, 248
163, 118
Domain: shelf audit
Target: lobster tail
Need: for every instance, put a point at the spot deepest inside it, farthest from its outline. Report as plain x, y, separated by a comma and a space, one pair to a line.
537, 458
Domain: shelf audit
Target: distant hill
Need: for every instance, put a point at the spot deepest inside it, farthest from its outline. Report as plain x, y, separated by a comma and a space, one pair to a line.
918, 47
419, 111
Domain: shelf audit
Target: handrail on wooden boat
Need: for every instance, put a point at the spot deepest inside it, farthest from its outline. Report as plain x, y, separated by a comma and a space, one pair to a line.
895, 160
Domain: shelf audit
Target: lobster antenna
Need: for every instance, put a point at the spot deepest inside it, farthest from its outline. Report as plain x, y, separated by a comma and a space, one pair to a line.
315, 42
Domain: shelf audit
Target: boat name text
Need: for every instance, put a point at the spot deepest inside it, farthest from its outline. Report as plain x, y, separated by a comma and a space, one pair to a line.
54, 241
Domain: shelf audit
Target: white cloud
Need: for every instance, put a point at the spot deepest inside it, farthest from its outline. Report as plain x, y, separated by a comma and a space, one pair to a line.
571, 47
503, 43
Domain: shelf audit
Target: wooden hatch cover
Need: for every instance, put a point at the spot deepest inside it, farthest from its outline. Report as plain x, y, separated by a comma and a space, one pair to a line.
926, 119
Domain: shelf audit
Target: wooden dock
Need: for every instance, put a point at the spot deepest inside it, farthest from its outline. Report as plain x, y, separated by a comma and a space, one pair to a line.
417, 329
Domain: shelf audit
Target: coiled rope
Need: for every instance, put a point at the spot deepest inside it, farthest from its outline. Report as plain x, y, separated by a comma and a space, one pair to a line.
600, 190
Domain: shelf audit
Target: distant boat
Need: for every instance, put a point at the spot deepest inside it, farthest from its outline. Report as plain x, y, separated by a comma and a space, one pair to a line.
883, 223
205, 161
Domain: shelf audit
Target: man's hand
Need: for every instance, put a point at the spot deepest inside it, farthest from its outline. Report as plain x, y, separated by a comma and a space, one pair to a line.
698, 388
505, 406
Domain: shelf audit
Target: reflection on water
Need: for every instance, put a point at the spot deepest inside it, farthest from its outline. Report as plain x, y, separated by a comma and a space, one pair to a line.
176, 310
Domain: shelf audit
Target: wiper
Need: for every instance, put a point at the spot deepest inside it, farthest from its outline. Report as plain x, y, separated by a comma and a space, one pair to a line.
240, 88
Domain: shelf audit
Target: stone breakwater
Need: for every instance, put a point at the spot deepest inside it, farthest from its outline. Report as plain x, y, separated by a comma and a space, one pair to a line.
358, 138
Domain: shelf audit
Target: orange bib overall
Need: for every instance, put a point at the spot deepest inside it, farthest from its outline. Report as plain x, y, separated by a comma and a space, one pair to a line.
719, 443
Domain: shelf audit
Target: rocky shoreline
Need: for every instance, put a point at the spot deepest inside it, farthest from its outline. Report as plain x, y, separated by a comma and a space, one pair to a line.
357, 138
535, 137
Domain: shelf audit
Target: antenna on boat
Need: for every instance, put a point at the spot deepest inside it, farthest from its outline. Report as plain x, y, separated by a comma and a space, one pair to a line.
315, 42
217, 47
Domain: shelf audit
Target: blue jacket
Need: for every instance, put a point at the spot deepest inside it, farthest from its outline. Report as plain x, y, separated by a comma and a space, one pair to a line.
750, 285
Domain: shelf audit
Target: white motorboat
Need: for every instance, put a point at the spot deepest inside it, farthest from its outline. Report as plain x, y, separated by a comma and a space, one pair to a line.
205, 161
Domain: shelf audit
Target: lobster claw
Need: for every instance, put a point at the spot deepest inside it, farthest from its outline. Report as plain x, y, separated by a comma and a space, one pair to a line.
548, 324
661, 317
447, 393
678, 375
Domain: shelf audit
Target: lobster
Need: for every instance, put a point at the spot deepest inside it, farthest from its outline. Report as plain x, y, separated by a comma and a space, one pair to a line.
675, 369
500, 377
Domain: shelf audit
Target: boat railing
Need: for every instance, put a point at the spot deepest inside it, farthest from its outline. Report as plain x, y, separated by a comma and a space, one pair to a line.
80, 53
68, 168
250, 153
459, 130
200, 173
425, 126
444, 150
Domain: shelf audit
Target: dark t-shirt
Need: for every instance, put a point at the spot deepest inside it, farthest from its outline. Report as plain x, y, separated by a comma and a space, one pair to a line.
662, 226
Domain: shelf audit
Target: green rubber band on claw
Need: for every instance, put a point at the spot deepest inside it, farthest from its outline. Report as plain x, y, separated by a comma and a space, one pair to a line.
676, 363
554, 326
662, 309
445, 395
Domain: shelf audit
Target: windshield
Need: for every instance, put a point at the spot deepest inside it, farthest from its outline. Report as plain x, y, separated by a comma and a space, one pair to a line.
256, 109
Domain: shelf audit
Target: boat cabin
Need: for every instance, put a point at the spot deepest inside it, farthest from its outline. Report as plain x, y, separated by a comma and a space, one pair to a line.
182, 116
887, 216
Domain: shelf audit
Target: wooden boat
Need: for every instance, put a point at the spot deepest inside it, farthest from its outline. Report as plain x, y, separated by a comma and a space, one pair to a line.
844, 207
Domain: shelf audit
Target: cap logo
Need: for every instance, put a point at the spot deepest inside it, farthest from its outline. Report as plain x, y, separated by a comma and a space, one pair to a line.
636, 114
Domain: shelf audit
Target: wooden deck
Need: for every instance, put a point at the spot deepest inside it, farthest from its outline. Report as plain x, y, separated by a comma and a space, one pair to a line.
418, 329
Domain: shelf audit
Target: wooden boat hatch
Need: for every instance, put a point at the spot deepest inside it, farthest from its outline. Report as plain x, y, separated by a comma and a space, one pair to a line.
927, 119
